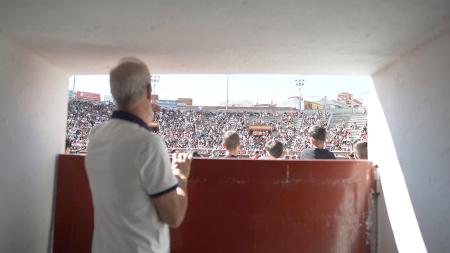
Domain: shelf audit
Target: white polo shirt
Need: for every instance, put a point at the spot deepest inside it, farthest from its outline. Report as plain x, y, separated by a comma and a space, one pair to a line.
127, 165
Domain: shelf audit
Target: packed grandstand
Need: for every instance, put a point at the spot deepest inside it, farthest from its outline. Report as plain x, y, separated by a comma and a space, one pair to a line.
197, 129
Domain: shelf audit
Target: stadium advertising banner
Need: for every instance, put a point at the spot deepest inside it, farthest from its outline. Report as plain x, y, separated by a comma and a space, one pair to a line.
167, 104
260, 127
88, 96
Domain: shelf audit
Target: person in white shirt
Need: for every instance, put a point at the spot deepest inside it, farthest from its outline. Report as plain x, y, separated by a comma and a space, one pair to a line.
137, 193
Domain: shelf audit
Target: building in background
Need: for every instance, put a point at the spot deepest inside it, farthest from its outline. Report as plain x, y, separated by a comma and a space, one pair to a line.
347, 100
184, 101
344, 98
82, 95
309, 105
265, 105
292, 102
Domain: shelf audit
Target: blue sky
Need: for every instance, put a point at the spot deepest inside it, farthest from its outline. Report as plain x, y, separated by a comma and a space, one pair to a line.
212, 89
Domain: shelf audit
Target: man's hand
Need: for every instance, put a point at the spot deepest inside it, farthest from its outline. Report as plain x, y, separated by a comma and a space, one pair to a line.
173, 205
181, 165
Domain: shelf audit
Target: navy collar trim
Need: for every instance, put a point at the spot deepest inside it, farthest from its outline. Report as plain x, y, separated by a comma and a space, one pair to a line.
130, 117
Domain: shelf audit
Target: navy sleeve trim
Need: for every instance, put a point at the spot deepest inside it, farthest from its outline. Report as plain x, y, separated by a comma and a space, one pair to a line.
163, 192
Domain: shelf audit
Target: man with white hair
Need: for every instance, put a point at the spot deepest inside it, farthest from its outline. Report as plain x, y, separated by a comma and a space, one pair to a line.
137, 193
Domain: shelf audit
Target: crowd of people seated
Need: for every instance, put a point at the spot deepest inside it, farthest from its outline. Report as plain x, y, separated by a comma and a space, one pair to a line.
82, 116
203, 130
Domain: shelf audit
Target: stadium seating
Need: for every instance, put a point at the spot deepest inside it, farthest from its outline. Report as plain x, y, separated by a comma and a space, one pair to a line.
203, 130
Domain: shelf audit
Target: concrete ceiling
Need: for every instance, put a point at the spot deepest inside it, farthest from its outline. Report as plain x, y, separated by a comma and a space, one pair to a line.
224, 36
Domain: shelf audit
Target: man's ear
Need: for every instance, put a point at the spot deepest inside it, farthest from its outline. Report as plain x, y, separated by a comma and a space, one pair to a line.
149, 91
155, 107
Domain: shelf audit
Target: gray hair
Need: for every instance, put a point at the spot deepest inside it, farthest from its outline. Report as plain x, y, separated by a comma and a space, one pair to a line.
129, 81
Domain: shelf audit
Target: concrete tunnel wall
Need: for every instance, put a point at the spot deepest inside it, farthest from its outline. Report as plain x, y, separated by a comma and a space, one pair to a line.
412, 106
33, 109
413, 92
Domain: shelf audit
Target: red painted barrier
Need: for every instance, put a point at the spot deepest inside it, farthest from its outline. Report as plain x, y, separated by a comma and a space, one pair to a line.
74, 221
245, 206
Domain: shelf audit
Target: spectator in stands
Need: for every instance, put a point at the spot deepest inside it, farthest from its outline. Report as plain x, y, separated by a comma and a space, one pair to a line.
231, 142
136, 192
274, 149
82, 116
256, 155
68, 146
361, 150
184, 129
317, 139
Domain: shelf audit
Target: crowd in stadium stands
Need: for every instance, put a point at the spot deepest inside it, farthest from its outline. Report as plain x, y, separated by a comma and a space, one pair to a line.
82, 116
193, 130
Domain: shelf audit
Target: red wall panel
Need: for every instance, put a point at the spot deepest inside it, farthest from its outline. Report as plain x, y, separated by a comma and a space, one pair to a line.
245, 206
74, 221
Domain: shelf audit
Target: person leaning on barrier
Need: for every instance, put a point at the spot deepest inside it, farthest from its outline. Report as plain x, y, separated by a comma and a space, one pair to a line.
274, 149
137, 193
256, 155
68, 146
231, 142
360, 150
317, 136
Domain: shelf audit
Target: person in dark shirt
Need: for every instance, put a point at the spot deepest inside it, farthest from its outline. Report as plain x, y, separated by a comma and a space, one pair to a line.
317, 135
68, 148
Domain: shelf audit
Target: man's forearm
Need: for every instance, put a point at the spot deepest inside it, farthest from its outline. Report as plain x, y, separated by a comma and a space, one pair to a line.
182, 182
172, 206
182, 193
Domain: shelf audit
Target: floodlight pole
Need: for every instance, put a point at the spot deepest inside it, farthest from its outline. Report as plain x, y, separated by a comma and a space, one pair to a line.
155, 80
74, 81
226, 106
300, 83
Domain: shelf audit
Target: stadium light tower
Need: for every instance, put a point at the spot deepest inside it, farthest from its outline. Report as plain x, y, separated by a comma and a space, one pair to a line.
226, 106
154, 80
300, 83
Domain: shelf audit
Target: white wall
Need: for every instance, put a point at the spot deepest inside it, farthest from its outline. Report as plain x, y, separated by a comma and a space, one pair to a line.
413, 106
385, 236
33, 108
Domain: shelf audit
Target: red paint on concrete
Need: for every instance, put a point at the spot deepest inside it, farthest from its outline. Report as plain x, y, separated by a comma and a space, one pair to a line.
244, 206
